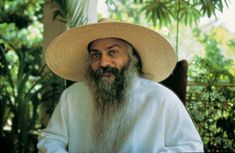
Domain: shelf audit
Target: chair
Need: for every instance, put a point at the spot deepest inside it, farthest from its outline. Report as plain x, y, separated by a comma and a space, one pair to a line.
177, 81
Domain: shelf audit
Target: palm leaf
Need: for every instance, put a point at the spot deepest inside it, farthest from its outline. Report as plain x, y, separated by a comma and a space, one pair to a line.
158, 12
209, 7
188, 14
73, 12
77, 14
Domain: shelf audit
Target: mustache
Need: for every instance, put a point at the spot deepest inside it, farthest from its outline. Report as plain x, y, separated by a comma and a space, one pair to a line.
101, 71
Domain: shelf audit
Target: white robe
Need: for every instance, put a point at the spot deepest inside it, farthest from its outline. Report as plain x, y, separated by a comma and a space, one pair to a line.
160, 123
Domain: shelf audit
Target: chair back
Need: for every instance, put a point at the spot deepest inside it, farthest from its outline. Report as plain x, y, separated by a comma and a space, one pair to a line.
177, 81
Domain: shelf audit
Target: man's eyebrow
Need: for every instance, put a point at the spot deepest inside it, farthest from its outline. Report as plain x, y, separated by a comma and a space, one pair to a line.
114, 45
93, 50
109, 47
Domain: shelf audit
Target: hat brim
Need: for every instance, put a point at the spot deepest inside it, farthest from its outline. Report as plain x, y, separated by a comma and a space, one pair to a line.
67, 54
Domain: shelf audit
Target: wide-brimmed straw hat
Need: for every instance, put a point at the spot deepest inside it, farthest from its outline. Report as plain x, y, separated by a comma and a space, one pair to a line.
67, 54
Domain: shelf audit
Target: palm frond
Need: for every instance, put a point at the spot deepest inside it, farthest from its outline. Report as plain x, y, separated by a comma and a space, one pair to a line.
77, 14
158, 12
209, 7
188, 13
72, 12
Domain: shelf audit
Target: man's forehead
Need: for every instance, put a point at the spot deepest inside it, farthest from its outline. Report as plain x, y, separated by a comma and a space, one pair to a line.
106, 42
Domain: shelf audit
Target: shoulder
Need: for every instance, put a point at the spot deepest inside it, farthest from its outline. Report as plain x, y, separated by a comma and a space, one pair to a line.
78, 87
152, 87
156, 92
78, 90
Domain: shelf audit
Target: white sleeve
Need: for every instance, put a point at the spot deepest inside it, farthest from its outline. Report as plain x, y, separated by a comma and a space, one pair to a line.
54, 139
181, 134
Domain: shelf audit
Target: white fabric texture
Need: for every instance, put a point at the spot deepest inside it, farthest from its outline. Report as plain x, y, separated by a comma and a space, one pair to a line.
160, 122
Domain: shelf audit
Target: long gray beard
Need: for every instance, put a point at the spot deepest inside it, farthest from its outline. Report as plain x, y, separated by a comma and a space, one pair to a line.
112, 92
111, 119
109, 91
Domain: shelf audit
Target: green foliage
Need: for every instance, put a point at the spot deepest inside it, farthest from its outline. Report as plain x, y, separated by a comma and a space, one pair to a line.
209, 7
163, 12
30, 11
24, 81
211, 100
158, 12
231, 43
124, 10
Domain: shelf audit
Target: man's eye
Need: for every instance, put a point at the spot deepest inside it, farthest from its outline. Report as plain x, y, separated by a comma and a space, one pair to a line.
113, 52
95, 55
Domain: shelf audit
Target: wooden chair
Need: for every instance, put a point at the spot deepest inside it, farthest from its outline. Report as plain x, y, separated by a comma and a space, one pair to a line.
177, 81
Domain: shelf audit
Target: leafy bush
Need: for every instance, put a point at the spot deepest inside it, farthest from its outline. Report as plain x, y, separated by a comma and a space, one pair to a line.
211, 100
24, 81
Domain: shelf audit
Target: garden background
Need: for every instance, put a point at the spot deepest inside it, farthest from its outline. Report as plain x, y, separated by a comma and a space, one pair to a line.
29, 91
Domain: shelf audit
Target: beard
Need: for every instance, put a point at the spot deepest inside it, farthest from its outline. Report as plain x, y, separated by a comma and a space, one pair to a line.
111, 122
108, 90
111, 85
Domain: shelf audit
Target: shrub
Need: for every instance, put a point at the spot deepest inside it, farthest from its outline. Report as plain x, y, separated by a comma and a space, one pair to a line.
211, 100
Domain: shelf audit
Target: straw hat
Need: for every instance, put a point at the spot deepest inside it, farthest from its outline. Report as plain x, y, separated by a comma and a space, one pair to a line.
67, 54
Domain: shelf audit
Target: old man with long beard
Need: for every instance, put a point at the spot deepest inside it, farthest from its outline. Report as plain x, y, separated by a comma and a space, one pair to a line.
116, 104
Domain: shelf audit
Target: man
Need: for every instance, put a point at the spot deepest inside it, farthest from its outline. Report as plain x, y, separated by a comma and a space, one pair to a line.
114, 107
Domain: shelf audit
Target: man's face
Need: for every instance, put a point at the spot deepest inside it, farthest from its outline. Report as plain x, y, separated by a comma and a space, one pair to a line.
109, 69
108, 52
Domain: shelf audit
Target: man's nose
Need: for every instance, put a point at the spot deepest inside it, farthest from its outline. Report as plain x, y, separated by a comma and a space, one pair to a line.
105, 61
